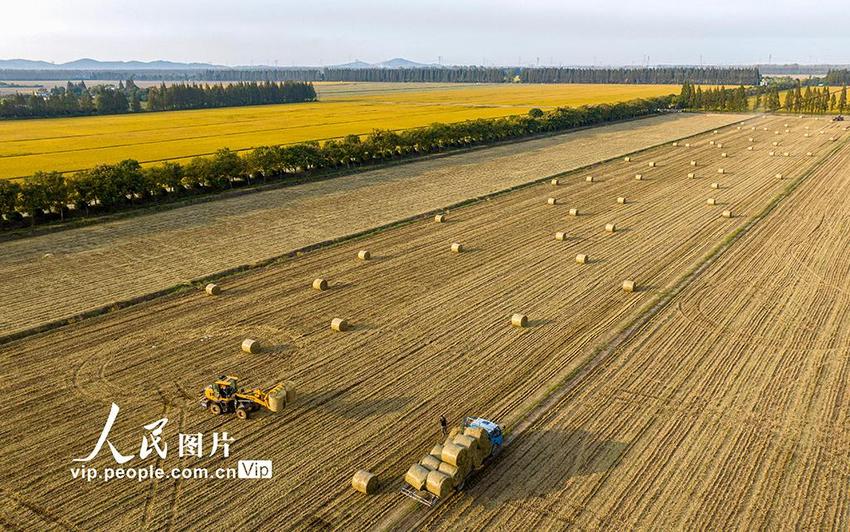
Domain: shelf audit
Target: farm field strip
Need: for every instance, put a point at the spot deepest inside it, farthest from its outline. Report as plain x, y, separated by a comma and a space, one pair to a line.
430, 336
70, 144
726, 410
57, 275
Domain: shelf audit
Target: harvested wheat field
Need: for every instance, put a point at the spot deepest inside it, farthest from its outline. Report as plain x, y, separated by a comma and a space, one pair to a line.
430, 333
726, 410
61, 274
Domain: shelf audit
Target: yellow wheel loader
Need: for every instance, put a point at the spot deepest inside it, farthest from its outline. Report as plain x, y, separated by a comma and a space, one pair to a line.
224, 396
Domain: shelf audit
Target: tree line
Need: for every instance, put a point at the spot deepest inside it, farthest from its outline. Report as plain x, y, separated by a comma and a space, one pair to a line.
712, 98
814, 99
110, 187
453, 74
650, 75
837, 77
192, 96
76, 99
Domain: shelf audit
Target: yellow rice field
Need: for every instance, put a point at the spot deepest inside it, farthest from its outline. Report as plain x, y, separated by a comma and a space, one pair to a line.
69, 144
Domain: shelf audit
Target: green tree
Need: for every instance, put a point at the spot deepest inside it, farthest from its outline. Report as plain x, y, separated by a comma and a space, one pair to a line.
535, 112
54, 190
842, 99
9, 191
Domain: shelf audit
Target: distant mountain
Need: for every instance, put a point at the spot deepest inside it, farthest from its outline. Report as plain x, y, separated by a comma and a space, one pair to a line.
354, 64
25, 64
398, 62
93, 64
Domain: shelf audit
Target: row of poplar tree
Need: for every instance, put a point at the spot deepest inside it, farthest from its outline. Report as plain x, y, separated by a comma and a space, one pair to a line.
76, 99
812, 99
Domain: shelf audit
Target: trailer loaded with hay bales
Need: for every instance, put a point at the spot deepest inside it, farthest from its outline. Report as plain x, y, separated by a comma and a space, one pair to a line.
449, 465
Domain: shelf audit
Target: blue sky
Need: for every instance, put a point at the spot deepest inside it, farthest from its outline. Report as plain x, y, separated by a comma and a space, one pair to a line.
495, 32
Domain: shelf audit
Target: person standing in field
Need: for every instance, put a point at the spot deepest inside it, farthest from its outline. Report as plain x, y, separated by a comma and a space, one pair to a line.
444, 426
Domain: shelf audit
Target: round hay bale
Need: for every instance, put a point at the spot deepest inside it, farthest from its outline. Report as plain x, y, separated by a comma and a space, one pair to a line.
365, 482
212, 289
786, 125
431, 463
711, 142
439, 484
560, 235
809, 154
772, 153
775, 143
652, 164
611, 228
457, 247
554, 182
639, 177
714, 132
364, 254
785, 154
455, 473
589, 179
719, 144
627, 158
711, 201
832, 139
455, 455
416, 476
749, 148
320, 284
693, 163
753, 128
440, 218
628, 286
721, 171
436, 451
691, 175
764, 129
726, 214
751, 139
806, 135
621, 200
778, 176
573, 212
687, 144
339, 325
519, 320
251, 346
675, 144
581, 258
723, 154
552, 201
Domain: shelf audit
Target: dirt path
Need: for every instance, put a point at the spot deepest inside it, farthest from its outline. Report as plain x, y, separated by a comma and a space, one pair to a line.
62, 274
727, 410
430, 336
